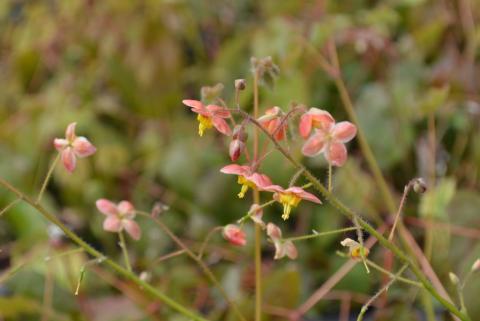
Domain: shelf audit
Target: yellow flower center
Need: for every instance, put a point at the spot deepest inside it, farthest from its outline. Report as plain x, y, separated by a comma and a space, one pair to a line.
356, 252
245, 185
289, 201
204, 123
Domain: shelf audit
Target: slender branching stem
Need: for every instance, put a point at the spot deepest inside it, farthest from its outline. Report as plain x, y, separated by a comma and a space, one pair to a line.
207, 239
319, 234
383, 289
400, 208
123, 245
152, 291
402, 256
47, 178
9, 206
329, 177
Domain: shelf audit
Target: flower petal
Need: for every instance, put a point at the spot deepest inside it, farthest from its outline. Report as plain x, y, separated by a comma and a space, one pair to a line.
305, 125
260, 180
274, 232
70, 132
83, 147
290, 250
279, 250
344, 131
132, 228
69, 159
274, 189
106, 207
218, 111
195, 104
314, 145
336, 154
126, 208
236, 169
321, 119
221, 125
112, 224
300, 192
60, 143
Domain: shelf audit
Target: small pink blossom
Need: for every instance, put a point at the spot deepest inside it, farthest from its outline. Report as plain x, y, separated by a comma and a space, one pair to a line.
247, 178
236, 149
329, 137
272, 122
119, 216
257, 214
209, 116
290, 197
235, 235
72, 147
282, 247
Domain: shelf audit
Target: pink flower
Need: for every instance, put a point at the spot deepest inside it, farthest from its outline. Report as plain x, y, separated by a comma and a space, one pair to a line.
209, 116
290, 197
257, 214
235, 235
72, 147
282, 247
119, 216
272, 122
329, 138
247, 178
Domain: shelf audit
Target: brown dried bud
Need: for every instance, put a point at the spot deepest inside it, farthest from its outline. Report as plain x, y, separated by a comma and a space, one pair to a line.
240, 84
419, 185
236, 149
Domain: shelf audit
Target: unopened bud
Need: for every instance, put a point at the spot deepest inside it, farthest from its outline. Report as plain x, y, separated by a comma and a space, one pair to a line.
239, 133
419, 185
476, 266
236, 149
235, 235
240, 84
453, 278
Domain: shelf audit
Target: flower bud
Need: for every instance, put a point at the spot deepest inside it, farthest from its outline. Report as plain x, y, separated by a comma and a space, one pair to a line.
476, 266
236, 149
210, 93
239, 133
419, 185
257, 215
235, 235
453, 278
240, 84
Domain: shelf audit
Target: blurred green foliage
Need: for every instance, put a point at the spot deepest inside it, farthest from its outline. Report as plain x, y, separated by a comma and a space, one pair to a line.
121, 68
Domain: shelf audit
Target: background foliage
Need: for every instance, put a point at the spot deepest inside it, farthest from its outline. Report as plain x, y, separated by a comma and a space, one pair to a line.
121, 68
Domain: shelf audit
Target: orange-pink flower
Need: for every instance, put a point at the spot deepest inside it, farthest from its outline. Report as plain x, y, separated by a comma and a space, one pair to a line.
72, 147
119, 216
328, 137
247, 178
272, 122
290, 197
282, 247
235, 235
209, 116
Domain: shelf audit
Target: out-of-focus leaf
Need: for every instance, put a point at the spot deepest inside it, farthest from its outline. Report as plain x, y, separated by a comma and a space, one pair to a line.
434, 98
435, 201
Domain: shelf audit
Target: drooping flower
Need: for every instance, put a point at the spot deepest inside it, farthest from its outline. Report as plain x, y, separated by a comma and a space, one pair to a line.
282, 247
272, 122
72, 147
235, 235
290, 197
257, 214
328, 137
209, 116
119, 216
355, 249
247, 178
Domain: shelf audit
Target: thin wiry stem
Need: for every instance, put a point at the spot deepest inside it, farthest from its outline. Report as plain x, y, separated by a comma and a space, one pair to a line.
384, 289
207, 239
365, 225
155, 293
9, 206
123, 245
400, 208
47, 178
319, 234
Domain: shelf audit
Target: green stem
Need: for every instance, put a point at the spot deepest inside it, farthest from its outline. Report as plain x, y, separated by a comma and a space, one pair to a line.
9, 206
311, 236
402, 279
123, 245
47, 178
250, 213
329, 177
90, 250
366, 226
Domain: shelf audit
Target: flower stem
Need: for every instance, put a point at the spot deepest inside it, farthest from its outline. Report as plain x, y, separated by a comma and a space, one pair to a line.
256, 200
314, 235
123, 245
153, 292
402, 256
400, 207
47, 178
